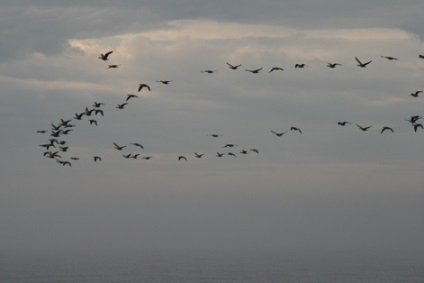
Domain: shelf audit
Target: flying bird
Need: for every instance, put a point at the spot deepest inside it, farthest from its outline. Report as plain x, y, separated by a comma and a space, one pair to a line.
254, 71
112, 66
386, 129
333, 65
93, 122
344, 123
233, 67
208, 71
129, 96
137, 144
127, 155
278, 134
229, 145
78, 116
88, 112
119, 147
364, 129
99, 111
74, 158
146, 157
232, 154
164, 82
295, 129
415, 94
276, 69
121, 106
254, 150
219, 154
243, 151
98, 104
300, 66
416, 126
421, 56
105, 56
198, 155
360, 64
215, 135
141, 86
182, 158
390, 58
97, 158
414, 119
41, 131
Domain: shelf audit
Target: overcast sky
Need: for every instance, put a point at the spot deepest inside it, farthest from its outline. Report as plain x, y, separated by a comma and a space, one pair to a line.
327, 188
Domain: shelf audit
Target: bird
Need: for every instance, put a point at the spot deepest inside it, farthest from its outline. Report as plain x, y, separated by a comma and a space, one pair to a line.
421, 56
255, 71
164, 82
301, 66
254, 150
112, 66
416, 126
64, 148
41, 131
344, 123
88, 112
52, 154
364, 129
126, 155
135, 156
333, 65
119, 147
181, 157
121, 106
74, 158
208, 71
97, 158
360, 64
233, 67
63, 162
278, 134
243, 151
386, 129
137, 144
390, 58
215, 135
414, 119
64, 123
276, 69
99, 111
415, 94
232, 154
229, 145
198, 155
146, 157
65, 132
98, 104
105, 56
79, 116
47, 145
141, 86
295, 129
93, 122
219, 154
129, 96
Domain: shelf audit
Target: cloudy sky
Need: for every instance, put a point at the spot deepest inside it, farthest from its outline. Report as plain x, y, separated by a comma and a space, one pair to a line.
327, 188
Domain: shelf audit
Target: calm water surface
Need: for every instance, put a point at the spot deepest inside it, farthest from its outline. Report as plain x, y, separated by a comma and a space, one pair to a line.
205, 267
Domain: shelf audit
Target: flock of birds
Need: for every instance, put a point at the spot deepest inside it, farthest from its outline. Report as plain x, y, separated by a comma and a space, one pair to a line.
63, 127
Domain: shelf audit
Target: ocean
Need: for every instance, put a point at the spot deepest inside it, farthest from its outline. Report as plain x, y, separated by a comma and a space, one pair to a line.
207, 266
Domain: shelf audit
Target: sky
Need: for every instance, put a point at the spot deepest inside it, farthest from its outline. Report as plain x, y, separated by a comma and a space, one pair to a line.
329, 188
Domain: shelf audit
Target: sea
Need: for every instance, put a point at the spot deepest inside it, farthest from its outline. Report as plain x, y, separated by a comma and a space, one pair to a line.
208, 266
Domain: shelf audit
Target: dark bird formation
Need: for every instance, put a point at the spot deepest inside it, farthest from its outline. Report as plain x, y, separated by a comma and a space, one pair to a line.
64, 127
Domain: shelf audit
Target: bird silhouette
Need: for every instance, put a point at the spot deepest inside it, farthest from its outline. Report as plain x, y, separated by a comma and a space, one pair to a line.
415, 94
233, 67
232, 154
129, 96
121, 106
229, 145
146, 157
364, 129
333, 65
99, 111
254, 71
198, 155
181, 157
41, 131
254, 150
360, 64
137, 144
219, 154
278, 134
208, 71
141, 86
215, 135
97, 158
79, 116
390, 58
112, 66
105, 56
386, 129
93, 122
416, 126
98, 104
295, 129
344, 123
119, 147
276, 69
164, 82
300, 66
421, 56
